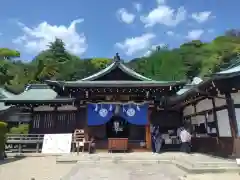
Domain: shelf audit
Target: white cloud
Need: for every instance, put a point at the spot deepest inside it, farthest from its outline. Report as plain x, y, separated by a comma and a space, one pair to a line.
37, 38
170, 33
165, 15
201, 16
125, 16
137, 6
136, 44
161, 1
210, 30
194, 34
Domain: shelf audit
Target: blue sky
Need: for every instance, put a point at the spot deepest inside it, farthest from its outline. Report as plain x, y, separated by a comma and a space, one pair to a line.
93, 28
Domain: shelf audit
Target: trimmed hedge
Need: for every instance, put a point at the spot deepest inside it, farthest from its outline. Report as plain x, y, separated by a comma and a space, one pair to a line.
21, 129
3, 131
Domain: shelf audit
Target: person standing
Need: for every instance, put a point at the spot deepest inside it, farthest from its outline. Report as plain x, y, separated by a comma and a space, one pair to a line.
158, 141
154, 131
185, 138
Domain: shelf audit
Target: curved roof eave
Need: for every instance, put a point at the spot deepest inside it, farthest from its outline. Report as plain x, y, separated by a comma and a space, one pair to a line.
112, 67
133, 73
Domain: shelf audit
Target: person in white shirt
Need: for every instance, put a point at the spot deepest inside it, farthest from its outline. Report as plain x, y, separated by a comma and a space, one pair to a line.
185, 138
179, 130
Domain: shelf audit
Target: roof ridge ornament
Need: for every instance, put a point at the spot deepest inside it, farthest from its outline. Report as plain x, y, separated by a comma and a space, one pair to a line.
117, 58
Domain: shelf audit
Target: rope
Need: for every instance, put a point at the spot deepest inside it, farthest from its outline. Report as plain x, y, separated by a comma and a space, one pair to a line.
122, 103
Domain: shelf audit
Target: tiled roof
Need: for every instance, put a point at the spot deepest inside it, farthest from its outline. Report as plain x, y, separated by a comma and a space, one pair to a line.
232, 70
4, 94
34, 92
113, 66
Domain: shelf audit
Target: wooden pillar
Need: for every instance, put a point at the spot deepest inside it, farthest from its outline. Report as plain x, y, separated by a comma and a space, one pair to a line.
233, 122
231, 114
31, 121
55, 119
148, 133
215, 116
195, 108
206, 122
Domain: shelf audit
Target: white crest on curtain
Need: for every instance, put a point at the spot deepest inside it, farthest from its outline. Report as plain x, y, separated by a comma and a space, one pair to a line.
103, 112
131, 111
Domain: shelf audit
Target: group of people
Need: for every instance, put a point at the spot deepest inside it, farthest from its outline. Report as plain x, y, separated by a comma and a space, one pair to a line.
183, 135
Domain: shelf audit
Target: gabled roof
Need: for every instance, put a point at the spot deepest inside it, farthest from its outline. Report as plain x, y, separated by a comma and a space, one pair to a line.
187, 91
196, 81
111, 67
36, 93
232, 71
33, 92
92, 81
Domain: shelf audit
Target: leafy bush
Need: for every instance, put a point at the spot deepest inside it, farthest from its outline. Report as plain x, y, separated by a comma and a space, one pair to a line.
3, 131
21, 129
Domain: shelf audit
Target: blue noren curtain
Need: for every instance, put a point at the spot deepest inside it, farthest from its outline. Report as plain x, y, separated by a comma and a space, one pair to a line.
135, 114
99, 114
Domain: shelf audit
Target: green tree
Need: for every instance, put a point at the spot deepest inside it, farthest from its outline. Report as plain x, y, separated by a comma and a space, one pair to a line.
8, 54
58, 51
100, 63
190, 59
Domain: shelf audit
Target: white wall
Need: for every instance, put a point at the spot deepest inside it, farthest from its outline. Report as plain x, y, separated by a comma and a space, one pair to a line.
188, 110
61, 108
220, 102
223, 119
236, 97
22, 117
223, 124
198, 119
204, 105
237, 110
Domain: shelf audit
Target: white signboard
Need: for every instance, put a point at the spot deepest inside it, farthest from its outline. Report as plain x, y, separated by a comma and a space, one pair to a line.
57, 143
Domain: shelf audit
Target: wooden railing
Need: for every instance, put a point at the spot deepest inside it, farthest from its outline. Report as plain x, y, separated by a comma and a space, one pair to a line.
24, 142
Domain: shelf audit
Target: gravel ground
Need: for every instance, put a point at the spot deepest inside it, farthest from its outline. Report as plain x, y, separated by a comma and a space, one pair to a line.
41, 168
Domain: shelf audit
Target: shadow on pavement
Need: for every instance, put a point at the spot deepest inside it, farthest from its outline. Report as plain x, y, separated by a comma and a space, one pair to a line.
9, 160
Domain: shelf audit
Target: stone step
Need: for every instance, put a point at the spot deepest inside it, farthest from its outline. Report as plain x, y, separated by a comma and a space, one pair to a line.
186, 165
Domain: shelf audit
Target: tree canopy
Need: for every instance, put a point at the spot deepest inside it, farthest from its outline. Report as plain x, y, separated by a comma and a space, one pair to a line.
194, 58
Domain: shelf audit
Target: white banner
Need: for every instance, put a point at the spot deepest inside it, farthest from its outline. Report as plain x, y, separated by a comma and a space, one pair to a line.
57, 143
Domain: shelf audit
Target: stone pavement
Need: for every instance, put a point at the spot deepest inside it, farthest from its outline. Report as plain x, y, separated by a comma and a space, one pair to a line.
123, 171
114, 166
211, 176
191, 163
40, 168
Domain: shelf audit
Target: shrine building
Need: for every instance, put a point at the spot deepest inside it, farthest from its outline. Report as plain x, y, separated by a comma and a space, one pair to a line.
117, 102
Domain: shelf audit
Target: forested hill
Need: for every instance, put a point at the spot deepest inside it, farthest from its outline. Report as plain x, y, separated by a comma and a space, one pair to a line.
191, 59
